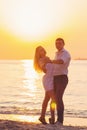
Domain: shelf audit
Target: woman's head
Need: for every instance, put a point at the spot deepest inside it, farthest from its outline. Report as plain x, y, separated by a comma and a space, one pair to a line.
39, 53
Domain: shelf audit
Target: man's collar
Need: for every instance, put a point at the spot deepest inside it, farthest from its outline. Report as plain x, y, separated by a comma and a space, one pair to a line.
61, 50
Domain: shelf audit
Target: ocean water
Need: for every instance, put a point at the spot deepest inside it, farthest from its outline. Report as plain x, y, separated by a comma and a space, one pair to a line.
21, 90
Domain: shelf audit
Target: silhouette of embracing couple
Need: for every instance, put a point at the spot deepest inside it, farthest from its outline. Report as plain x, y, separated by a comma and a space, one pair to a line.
54, 81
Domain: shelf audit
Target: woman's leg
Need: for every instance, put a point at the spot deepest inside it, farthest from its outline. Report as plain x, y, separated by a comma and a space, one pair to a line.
44, 104
52, 106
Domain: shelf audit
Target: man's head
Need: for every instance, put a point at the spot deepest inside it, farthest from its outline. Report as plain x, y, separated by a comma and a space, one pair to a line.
59, 43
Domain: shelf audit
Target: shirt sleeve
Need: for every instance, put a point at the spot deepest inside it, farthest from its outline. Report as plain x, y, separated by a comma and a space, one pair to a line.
65, 57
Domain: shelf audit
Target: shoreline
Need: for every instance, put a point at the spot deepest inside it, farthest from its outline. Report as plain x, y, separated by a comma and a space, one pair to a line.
23, 122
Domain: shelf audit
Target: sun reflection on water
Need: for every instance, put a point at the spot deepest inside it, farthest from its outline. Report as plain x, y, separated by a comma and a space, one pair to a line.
31, 85
30, 76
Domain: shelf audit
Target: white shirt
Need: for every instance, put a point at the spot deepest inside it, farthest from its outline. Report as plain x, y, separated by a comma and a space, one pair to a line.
62, 69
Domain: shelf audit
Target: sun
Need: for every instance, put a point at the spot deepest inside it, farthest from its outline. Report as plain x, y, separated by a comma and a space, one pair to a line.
26, 20
33, 20
30, 19
29, 26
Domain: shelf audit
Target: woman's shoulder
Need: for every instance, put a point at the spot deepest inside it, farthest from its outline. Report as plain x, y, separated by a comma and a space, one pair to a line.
41, 62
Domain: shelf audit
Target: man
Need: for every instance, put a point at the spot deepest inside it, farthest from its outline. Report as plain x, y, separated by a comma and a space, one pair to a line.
62, 60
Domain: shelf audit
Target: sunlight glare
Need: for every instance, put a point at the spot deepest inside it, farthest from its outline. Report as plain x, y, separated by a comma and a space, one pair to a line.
53, 105
23, 118
27, 118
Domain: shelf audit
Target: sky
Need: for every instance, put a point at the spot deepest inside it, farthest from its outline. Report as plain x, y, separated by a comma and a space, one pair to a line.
25, 24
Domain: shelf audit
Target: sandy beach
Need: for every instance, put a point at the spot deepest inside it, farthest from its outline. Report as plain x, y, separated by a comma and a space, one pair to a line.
15, 125
21, 122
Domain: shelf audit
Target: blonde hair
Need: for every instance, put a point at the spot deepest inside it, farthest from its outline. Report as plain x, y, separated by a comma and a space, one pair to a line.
37, 58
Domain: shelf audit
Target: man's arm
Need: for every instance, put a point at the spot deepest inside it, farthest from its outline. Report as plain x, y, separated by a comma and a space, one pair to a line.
60, 61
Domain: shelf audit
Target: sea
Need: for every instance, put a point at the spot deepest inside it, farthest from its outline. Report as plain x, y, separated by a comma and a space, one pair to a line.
22, 92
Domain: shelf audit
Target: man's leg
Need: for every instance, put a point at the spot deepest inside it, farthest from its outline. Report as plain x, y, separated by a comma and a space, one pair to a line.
60, 83
60, 106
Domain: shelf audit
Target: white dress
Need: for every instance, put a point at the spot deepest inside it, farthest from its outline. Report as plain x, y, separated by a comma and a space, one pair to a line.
48, 77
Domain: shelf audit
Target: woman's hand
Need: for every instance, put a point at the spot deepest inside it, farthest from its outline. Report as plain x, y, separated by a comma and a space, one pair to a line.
47, 60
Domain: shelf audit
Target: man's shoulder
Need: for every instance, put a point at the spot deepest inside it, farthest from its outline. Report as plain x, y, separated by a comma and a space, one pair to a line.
66, 51
66, 54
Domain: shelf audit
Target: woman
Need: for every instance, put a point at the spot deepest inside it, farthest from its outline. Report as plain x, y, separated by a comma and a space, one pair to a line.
42, 63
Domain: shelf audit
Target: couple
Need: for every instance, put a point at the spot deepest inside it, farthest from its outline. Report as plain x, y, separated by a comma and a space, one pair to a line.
55, 79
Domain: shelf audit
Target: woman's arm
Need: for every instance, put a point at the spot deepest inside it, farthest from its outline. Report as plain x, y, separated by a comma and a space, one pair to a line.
44, 69
48, 60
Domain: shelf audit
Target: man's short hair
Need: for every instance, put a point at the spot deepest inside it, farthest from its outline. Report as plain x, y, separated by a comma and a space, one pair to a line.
60, 39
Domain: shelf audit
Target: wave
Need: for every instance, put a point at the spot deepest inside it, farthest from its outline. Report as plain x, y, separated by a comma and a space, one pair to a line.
27, 111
